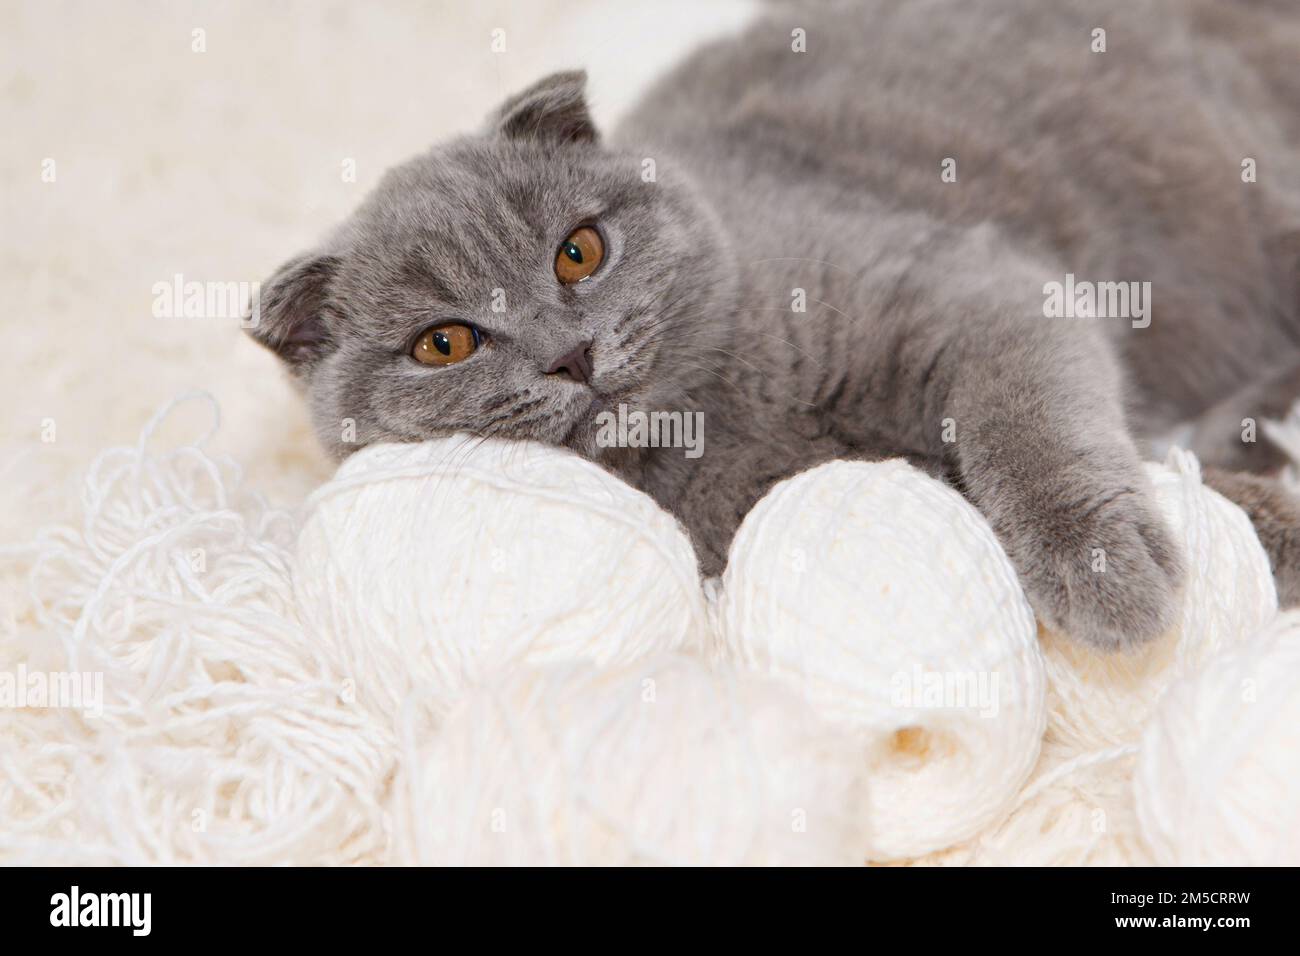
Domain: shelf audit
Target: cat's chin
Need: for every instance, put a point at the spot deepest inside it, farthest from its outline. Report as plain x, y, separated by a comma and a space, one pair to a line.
584, 431
593, 426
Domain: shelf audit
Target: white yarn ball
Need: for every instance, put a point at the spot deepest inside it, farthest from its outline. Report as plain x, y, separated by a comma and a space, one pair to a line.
1218, 777
1098, 700
868, 587
1076, 810
662, 762
433, 563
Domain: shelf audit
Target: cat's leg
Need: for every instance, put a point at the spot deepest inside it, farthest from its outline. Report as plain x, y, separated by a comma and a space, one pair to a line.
1275, 513
1228, 435
1229, 442
1039, 444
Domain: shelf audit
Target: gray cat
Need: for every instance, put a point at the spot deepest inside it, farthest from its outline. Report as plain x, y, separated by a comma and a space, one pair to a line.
920, 175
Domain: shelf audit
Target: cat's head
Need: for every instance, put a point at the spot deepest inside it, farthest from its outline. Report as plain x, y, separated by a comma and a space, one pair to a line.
514, 283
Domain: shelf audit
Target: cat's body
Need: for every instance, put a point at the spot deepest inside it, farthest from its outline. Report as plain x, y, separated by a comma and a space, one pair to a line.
786, 178
1122, 165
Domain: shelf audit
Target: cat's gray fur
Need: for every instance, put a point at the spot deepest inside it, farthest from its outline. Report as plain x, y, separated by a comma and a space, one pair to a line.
820, 170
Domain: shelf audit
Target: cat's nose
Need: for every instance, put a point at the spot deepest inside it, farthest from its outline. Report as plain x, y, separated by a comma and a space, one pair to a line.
576, 363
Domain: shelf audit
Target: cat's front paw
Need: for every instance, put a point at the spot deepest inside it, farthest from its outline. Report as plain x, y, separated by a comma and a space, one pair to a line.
1103, 569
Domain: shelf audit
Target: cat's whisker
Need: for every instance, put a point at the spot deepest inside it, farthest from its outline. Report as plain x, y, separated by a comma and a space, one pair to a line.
449, 465
714, 329
850, 318
856, 273
715, 373
738, 358
691, 333
787, 395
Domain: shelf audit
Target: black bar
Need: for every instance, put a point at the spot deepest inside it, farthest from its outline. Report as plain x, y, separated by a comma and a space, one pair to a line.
439, 907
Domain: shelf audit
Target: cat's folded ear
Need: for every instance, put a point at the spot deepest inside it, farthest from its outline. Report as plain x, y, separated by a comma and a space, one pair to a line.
288, 315
551, 110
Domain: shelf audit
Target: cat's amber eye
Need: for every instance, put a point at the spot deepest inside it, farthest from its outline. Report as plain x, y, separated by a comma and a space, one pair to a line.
580, 255
445, 345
